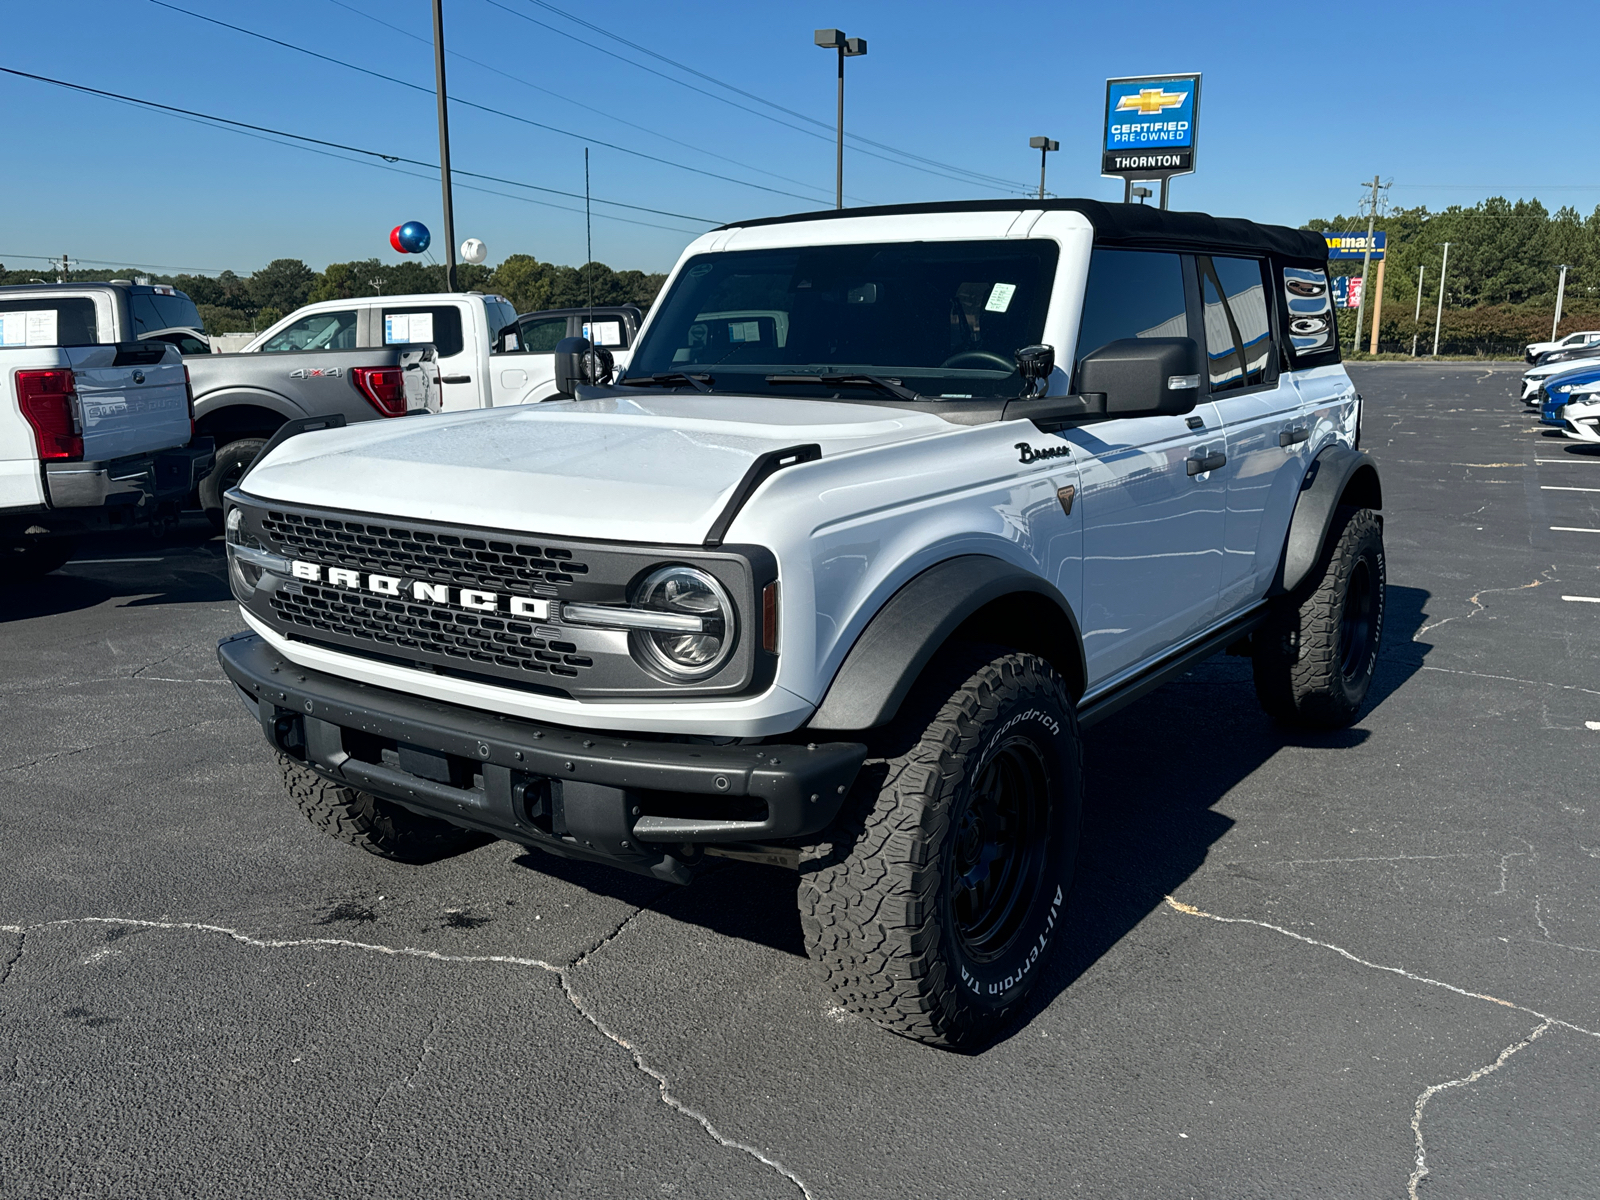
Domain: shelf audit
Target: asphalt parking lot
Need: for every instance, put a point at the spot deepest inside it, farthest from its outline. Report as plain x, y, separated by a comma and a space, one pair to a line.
1350, 965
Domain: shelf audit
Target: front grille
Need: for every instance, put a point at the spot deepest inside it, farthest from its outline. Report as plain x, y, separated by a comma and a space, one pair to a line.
459, 559
401, 626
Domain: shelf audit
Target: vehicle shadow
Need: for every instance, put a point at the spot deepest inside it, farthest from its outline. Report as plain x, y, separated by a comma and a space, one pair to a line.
1149, 818
188, 568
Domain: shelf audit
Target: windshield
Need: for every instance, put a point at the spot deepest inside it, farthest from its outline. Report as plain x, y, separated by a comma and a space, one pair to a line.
945, 319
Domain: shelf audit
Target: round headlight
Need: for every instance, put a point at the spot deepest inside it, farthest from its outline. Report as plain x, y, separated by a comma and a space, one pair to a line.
685, 591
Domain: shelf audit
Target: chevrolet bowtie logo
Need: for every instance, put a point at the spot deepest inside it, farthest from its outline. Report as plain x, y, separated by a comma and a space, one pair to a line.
1151, 101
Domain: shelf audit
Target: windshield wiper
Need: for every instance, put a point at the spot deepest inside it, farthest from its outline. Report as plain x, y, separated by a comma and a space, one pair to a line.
700, 383
891, 387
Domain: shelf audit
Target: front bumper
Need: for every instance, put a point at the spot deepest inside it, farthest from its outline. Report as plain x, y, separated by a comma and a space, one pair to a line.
640, 803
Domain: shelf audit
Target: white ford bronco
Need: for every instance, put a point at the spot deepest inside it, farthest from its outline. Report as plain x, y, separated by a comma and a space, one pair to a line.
889, 505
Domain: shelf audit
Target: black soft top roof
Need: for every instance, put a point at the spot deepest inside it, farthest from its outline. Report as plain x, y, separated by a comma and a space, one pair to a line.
1114, 225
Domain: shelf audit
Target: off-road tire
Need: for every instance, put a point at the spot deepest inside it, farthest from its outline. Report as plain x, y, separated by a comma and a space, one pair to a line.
1315, 656
26, 559
377, 826
879, 900
233, 460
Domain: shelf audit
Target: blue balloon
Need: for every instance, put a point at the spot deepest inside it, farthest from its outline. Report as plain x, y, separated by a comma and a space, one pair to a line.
414, 237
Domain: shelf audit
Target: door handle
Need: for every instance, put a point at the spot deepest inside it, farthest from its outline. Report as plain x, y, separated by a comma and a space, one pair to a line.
1211, 462
455, 379
1290, 437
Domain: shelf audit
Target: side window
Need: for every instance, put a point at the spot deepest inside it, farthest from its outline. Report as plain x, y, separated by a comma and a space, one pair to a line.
1238, 330
1132, 294
440, 325
320, 331
540, 336
1306, 296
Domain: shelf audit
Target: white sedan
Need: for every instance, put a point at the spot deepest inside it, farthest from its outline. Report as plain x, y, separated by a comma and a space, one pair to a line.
1580, 416
1573, 341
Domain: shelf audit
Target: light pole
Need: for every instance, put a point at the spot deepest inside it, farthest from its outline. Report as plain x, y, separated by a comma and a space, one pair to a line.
1438, 317
1141, 194
1561, 295
1416, 317
444, 148
848, 47
1043, 145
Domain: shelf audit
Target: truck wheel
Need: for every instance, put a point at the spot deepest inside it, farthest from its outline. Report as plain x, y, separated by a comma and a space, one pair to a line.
377, 826
233, 460
1315, 656
27, 559
936, 905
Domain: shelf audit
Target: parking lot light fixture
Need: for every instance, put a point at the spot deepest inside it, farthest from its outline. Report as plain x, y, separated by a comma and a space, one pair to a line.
1043, 145
848, 47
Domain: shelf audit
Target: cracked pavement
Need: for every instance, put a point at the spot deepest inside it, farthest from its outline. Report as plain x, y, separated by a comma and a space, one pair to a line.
1361, 964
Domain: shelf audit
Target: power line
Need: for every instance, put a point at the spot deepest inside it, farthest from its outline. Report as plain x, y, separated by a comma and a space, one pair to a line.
741, 107
603, 32
300, 137
527, 83
121, 262
483, 107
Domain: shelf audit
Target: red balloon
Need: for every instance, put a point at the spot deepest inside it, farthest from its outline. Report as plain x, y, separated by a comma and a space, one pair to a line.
394, 239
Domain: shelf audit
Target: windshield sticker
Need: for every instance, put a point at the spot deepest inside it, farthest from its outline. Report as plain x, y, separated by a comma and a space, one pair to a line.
699, 270
402, 328
34, 327
606, 333
1000, 297
744, 331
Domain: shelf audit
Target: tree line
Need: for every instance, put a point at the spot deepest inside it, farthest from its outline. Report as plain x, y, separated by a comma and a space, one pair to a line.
1500, 286
232, 303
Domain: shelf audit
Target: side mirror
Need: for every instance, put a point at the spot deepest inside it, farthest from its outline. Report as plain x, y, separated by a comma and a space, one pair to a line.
1034, 364
1143, 377
578, 362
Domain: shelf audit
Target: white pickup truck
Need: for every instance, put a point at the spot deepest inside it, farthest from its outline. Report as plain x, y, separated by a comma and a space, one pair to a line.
96, 421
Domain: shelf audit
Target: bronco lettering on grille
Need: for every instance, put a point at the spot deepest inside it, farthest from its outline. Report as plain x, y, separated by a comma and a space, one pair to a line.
434, 593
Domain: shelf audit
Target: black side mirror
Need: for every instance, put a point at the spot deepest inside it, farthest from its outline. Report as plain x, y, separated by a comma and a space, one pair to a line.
578, 362
1035, 363
1143, 377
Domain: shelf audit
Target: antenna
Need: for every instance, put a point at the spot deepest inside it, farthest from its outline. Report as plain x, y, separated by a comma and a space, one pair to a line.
588, 242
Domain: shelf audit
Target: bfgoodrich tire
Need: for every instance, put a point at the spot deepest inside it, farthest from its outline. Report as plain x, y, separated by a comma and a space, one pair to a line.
1315, 657
233, 460
377, 826
937, 902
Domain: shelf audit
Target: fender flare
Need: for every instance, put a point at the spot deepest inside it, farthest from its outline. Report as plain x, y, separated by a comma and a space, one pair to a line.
904, 635
233, 397
1336, 473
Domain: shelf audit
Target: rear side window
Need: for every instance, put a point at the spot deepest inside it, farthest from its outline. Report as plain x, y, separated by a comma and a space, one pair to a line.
319, 331
1238, 329
440, 325
541, 336
71, 316
1305, 295
153, 312
1132, 294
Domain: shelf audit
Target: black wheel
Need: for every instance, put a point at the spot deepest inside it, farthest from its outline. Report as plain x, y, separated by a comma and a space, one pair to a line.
937, 902
233, 460
1315, 656
377, 826
26, 559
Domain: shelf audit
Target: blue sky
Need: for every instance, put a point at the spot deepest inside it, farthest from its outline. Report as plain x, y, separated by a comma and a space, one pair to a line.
1453, 101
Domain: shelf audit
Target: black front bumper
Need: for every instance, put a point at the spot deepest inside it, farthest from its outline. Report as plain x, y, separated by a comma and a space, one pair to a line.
636, 802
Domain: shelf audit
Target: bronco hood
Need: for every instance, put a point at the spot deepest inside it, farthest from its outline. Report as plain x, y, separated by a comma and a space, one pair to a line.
651, 469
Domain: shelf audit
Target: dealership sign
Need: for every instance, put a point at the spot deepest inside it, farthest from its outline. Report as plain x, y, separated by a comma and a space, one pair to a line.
1354, 245
1151, 126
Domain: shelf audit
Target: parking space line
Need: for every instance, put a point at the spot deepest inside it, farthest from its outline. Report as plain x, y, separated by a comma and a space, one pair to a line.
1583, 599
101, 562
1573, 529
1567, 460
1553, 487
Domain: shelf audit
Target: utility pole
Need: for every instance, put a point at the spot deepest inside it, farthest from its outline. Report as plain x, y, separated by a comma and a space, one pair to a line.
1366, 262
444, 148
1043, 145
1416, 317
1561, 294
848, 47
1438, 318
63, 271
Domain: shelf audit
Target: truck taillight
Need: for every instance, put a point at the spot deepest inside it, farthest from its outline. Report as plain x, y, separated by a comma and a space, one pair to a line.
384, 388
48, 400
188, 391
